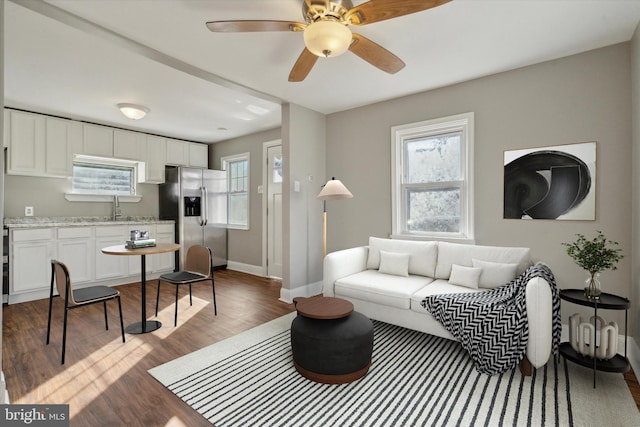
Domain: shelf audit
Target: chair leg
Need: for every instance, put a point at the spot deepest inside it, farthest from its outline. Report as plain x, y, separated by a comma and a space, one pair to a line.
106, 321
175, 316
121, 322
215, 308
190, 298
64, 333
157, 297
49, 322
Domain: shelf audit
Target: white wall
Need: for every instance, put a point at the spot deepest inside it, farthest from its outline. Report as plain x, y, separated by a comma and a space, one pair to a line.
303, 150
634, 316
2, 383
581, 98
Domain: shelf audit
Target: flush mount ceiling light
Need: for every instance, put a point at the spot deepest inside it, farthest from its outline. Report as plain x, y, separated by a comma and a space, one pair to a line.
133, 111
327, 38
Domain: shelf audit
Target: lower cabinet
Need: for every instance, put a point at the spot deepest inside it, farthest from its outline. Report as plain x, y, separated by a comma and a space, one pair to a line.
80, 248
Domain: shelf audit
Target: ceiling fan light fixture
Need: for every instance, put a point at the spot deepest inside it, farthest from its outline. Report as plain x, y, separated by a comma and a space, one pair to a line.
133, 111
327, 38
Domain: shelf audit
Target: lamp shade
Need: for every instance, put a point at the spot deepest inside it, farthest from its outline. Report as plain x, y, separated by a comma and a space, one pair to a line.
133, 111
334, 189
327, 38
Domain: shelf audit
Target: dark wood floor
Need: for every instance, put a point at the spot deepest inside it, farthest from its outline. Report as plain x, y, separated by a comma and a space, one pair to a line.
104, 381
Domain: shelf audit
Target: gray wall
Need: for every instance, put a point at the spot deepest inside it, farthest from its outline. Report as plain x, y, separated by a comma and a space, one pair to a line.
2, 384
245, 246
581, 98
635, 179
303, 150
46, 195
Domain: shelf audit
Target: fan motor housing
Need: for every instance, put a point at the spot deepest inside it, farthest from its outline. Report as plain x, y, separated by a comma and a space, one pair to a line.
315, 10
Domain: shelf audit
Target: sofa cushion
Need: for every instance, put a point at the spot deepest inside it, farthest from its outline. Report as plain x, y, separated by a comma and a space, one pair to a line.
437, 287
462, 254
469, 277
495, 274
372, 286
422, 255
394, 263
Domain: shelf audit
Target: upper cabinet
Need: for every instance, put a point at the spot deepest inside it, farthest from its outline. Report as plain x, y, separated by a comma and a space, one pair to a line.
155, 160
97, 140
40, 145
198, 155
177, 152
129, 145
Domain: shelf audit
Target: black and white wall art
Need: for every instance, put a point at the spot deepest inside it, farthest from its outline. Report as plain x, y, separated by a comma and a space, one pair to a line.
551, 182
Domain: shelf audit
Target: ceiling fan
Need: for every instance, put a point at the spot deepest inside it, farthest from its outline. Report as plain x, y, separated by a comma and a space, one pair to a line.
326, 30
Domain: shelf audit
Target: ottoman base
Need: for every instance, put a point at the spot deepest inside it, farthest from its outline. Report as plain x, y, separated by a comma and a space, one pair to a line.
332, 379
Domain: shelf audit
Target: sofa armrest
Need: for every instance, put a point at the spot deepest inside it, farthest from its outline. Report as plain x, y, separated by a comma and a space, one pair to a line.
341, 264
540, 319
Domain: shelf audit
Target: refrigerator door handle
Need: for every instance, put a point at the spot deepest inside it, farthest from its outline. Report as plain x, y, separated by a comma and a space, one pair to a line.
205, 205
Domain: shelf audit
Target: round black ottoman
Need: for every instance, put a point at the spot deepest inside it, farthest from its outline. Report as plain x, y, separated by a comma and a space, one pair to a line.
332, 351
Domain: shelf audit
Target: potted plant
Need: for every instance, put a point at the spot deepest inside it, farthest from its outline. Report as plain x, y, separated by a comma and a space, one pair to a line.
595, 255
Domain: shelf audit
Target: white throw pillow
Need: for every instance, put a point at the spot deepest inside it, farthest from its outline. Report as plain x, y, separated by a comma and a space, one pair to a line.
394, 263
495, 274
468, 277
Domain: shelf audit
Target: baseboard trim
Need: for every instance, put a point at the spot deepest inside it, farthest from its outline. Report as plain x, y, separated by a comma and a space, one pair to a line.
311, 289
255, 270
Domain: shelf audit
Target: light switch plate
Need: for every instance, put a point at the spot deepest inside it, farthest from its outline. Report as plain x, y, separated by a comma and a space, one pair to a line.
28, 211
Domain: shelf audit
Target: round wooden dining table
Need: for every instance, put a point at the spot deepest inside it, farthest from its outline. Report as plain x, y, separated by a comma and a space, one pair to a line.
144, 325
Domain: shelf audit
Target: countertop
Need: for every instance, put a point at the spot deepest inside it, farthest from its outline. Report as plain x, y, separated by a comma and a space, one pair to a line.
79, 221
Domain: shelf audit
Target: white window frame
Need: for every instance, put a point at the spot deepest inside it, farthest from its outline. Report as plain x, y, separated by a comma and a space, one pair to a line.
463, 123
225, 162
105, 161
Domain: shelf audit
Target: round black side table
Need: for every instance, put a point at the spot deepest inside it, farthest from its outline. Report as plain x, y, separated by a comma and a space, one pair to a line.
606, 301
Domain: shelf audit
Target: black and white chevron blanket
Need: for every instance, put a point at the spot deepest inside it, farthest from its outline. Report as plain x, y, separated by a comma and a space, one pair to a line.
492, 325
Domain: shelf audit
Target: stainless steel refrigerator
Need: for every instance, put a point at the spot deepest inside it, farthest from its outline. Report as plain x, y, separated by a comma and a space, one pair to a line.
196, 199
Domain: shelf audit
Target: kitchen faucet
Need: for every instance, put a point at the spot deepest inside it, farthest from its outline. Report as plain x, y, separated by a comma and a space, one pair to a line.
117, 212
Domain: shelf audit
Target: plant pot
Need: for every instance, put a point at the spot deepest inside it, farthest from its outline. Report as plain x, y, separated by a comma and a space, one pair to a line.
592, 287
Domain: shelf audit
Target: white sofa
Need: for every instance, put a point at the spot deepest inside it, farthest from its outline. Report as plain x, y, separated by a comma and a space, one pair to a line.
388, 279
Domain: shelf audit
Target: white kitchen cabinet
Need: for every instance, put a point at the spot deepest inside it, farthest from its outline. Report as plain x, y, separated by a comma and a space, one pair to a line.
165, 233
129, 145
76, 249
31, 253
27, 144
177, 152
110, 266
155, 160
97, 140
198, 155
7, 135
39, 145
58, 147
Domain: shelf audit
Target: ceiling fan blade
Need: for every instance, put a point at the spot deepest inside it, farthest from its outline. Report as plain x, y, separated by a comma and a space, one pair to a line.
253, 26
375, 54
303, 65
380, 10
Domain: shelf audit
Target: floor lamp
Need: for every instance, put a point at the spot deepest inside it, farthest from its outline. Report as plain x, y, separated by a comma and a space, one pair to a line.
332, 190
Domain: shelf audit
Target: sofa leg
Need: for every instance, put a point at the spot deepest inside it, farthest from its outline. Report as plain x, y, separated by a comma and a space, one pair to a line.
526, 368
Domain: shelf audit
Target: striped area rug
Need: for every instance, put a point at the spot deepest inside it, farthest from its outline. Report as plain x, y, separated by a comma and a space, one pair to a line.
415, 379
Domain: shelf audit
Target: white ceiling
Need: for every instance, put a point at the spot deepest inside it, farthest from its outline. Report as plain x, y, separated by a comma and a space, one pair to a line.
79, 59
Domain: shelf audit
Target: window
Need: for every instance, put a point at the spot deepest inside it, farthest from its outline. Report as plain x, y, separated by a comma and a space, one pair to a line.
237, 168
102, 179
432, 188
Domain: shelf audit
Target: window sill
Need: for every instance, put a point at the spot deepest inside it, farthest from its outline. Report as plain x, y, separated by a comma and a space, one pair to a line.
73, 197
463, 240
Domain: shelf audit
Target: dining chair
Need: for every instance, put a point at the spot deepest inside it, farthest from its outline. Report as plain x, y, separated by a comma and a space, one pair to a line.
76, 298
198, 267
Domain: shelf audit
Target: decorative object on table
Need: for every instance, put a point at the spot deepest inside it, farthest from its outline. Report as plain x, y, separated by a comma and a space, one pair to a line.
551, 182
334, 189
584, 336
594, 256
140, 239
